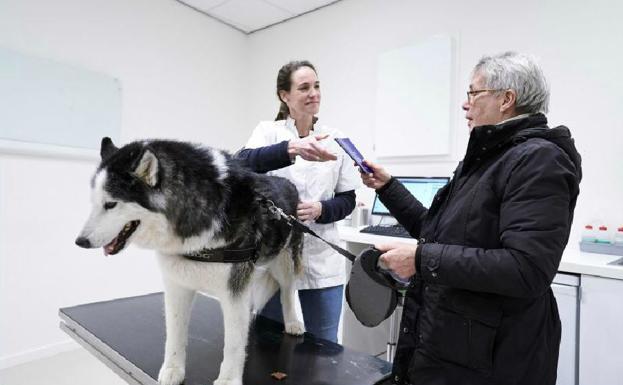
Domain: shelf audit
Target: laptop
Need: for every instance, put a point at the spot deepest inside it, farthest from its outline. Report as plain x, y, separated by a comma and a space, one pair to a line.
423, 188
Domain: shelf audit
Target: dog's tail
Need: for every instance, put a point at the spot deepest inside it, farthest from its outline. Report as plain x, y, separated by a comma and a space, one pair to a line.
265, 286
296, 247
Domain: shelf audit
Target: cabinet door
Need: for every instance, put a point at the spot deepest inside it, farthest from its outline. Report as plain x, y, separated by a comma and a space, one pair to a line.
601, 331
567, 300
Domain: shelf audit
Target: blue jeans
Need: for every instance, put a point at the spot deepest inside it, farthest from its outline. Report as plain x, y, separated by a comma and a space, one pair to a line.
321, 310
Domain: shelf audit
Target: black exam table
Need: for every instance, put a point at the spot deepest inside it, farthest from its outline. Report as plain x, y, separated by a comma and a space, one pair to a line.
128, 336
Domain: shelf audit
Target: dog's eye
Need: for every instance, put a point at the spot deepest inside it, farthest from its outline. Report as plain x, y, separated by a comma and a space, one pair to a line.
109, 205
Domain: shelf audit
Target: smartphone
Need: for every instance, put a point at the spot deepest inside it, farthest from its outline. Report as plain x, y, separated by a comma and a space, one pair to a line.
352, 151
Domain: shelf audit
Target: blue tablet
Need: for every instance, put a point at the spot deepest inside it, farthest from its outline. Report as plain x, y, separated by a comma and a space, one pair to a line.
352, 151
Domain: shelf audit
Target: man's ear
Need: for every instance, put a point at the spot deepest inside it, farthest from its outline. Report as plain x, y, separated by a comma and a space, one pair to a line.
107, 148
147, 168
509, 102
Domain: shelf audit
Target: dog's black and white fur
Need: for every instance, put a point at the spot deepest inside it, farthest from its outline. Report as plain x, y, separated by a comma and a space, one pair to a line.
178, 198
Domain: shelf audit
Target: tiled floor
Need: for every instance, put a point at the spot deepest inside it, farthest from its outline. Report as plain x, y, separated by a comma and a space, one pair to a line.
76, 367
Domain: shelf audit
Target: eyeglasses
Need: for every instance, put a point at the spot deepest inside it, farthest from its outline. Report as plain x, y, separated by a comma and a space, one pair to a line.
472, 93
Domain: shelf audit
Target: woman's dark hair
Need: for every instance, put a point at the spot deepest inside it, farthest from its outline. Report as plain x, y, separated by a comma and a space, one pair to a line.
284, 83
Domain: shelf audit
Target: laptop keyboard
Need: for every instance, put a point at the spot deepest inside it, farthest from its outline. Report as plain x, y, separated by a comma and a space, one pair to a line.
388, 231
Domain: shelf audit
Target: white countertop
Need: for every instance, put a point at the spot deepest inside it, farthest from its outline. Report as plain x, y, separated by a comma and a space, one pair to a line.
581, 262
573, 260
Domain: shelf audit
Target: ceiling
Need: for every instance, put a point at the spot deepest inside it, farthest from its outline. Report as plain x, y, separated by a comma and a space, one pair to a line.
249, 16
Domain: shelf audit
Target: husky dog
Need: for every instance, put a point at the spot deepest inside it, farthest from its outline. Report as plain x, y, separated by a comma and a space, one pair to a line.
182, 200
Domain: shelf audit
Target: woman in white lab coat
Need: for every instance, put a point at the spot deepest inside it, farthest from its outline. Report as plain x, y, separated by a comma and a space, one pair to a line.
295, 147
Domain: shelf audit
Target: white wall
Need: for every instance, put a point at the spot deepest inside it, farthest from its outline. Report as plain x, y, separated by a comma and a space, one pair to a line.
180, 75
579, 44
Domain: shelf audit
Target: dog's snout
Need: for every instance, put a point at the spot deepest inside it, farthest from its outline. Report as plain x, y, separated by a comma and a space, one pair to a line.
83, 242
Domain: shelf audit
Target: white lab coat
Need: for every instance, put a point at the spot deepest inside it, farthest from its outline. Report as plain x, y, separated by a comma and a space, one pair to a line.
315, 181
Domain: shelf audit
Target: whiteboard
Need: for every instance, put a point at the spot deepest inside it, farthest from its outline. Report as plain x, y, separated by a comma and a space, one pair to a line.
51, 103
413, 100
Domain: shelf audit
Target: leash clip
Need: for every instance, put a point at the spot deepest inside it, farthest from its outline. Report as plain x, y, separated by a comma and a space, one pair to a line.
278, 212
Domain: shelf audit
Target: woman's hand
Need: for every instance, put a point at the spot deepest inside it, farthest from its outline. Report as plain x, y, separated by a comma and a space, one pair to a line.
399, 258
309, 148
308, 211
377, 179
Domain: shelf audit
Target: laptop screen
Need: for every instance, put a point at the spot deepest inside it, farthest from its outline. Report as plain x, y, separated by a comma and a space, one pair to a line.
423, 188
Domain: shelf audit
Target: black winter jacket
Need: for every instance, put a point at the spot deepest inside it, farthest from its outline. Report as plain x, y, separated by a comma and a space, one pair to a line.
480, 309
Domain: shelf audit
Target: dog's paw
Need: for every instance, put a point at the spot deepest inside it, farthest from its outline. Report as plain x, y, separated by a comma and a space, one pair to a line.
296, 328
171, 375
227, 381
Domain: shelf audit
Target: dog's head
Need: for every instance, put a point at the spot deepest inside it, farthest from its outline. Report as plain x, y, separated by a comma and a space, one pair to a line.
123, 196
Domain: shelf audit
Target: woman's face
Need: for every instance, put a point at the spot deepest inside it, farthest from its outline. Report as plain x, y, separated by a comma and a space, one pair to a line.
303, 99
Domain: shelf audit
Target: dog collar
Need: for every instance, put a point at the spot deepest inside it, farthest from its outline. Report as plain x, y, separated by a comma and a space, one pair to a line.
223, 255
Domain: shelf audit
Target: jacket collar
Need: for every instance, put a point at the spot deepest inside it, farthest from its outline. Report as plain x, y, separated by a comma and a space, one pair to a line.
487, 139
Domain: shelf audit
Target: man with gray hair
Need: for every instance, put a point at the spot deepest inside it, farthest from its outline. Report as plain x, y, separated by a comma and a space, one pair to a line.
512, 78
479, 309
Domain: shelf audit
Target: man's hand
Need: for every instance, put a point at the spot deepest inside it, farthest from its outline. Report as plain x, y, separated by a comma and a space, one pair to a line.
378, 178
309, 148
308, 211
399, 258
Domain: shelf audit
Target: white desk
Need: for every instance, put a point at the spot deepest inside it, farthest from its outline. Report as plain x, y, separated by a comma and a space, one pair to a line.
380, 339
573, 260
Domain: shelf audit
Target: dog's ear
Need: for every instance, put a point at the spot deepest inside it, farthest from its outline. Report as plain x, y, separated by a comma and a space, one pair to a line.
147, 168
107, 148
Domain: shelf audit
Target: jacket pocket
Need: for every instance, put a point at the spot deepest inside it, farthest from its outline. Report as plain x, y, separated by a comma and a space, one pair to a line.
462, 331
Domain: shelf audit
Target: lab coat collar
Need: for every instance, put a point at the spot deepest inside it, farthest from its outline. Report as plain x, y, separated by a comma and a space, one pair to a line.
290, 125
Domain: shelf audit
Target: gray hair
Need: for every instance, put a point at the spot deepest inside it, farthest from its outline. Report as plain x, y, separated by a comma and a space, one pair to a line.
519, 72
